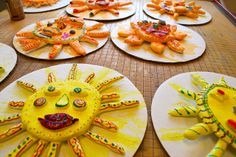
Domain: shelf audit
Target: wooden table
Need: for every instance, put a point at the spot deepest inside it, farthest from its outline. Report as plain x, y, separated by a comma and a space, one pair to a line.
219, 57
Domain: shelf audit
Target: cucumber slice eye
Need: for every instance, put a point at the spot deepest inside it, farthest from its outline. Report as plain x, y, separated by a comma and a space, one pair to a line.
63, 101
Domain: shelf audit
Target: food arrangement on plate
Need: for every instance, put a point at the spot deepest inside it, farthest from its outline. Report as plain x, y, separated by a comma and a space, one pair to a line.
101, 9
158, 41
211, 101
177, 11
176, 8
37, 6
38, 3
64, 111
155, 33
95, 6
200, 114
61, 32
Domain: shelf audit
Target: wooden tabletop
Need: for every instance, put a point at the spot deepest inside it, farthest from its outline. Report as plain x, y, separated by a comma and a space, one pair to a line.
219, 57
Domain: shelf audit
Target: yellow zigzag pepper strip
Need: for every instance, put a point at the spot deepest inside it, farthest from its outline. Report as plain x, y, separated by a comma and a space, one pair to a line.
187, 93
25, 144
103, 141
118, 105
27, 86
73, 72
53, 149
105, 124
219, 149
222, 81
18, 105
9, 119
197, 130
51, 77
106, 83
75, 145
110, 97
11, 132
184, 111
197, 79
89, 78
40, 148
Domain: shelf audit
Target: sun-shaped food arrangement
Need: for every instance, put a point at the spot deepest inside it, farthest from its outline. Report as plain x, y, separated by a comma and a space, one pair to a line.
176, 8
158, 34
216, 107
62, 111
38, 3
63, 31
96, 6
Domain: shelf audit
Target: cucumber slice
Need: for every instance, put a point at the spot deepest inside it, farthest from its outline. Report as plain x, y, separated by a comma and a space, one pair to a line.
63, 101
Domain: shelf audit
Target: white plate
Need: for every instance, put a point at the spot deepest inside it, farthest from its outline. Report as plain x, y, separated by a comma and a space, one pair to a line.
202, 19
58, 5
42, 53
8, 60
194, 47
131, 122
125, 12
167, 98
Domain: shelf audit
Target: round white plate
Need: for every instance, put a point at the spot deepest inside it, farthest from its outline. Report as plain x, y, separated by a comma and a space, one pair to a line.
194, 46
166, 126
8, 60
58, 5
42, 53
132, 122
124, 12
202, 19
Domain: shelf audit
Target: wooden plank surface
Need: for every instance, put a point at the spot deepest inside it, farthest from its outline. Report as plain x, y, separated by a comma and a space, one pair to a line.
220, 57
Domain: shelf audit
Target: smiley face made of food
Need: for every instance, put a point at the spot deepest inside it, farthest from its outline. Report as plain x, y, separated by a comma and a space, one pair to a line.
63, 111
